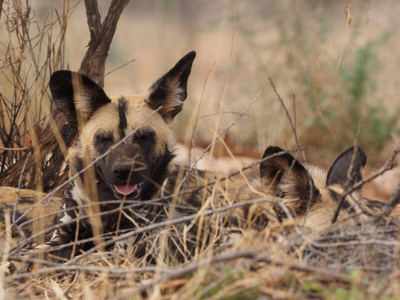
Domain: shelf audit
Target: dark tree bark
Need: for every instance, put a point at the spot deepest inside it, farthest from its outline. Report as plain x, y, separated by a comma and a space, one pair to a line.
1, 6
101, 35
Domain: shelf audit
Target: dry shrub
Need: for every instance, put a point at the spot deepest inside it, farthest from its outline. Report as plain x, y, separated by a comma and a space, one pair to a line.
31, 155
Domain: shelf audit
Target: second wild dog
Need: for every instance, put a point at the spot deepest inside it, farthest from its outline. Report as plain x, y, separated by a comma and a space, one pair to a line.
310, 194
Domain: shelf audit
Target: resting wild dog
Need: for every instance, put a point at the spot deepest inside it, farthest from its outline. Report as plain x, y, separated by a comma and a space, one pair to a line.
125, 147
310, 194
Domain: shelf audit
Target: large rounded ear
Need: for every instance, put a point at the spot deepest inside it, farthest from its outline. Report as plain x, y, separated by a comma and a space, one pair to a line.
75, 93
285, 177
171, 90
347, 168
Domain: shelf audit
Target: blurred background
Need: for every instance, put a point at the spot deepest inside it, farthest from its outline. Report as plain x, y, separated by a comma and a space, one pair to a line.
334, 64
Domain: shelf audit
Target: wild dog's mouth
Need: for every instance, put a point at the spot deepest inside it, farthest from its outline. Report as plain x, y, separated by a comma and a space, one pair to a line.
126, 189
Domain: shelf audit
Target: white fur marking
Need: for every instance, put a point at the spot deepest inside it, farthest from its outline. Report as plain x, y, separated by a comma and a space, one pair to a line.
78, 195
66, 218
55, 234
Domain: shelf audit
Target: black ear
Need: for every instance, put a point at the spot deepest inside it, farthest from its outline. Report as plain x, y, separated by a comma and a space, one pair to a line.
284, 176
73, 92
171, 90
353, 159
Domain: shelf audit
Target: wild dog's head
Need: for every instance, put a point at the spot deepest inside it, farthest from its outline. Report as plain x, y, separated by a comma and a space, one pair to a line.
139, 163
306, 190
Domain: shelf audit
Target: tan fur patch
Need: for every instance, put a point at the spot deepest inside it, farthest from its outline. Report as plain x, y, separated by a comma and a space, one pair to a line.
41, 214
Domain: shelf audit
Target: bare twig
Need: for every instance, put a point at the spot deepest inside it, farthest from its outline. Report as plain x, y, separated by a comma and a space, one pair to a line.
391, 203
14, 149
193, 128
292, 124
116, 69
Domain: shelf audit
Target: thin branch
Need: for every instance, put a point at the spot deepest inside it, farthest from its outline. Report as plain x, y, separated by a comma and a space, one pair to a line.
227, 128
391, 203
15, 149
292, 124
117, 68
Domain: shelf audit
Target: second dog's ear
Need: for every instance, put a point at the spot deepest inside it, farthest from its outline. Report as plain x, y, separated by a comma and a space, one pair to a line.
285, 177
75, 93
347, 168
170, 90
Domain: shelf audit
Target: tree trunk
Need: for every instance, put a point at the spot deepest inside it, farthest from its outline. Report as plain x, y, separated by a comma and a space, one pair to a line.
101, 34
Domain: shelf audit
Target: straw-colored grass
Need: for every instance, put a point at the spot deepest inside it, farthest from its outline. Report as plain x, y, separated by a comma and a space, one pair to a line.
296, 74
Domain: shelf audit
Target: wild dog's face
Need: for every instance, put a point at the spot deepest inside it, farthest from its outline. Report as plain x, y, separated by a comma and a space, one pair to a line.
131, 130
135, 161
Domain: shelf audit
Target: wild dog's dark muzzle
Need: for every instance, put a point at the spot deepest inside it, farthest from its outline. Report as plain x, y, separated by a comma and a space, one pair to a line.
122, 170
127, 174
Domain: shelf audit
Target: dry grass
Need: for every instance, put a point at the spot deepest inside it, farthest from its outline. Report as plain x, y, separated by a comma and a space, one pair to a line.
280, 262
302, 47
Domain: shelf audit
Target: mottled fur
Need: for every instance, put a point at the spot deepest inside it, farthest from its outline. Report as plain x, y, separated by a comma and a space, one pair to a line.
29, 212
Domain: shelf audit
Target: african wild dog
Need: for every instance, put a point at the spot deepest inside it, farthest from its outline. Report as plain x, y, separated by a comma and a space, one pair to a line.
310, 194
125, 149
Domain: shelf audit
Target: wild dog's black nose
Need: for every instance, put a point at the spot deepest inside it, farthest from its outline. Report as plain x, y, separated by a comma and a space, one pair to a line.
121, 170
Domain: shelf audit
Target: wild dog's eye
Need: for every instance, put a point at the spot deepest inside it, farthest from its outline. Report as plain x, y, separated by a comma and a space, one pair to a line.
103, 138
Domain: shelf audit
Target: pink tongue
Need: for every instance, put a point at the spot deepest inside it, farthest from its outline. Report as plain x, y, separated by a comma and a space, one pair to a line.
125, 189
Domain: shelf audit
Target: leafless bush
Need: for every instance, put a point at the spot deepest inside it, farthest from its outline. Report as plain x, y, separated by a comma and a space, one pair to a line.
29, 134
